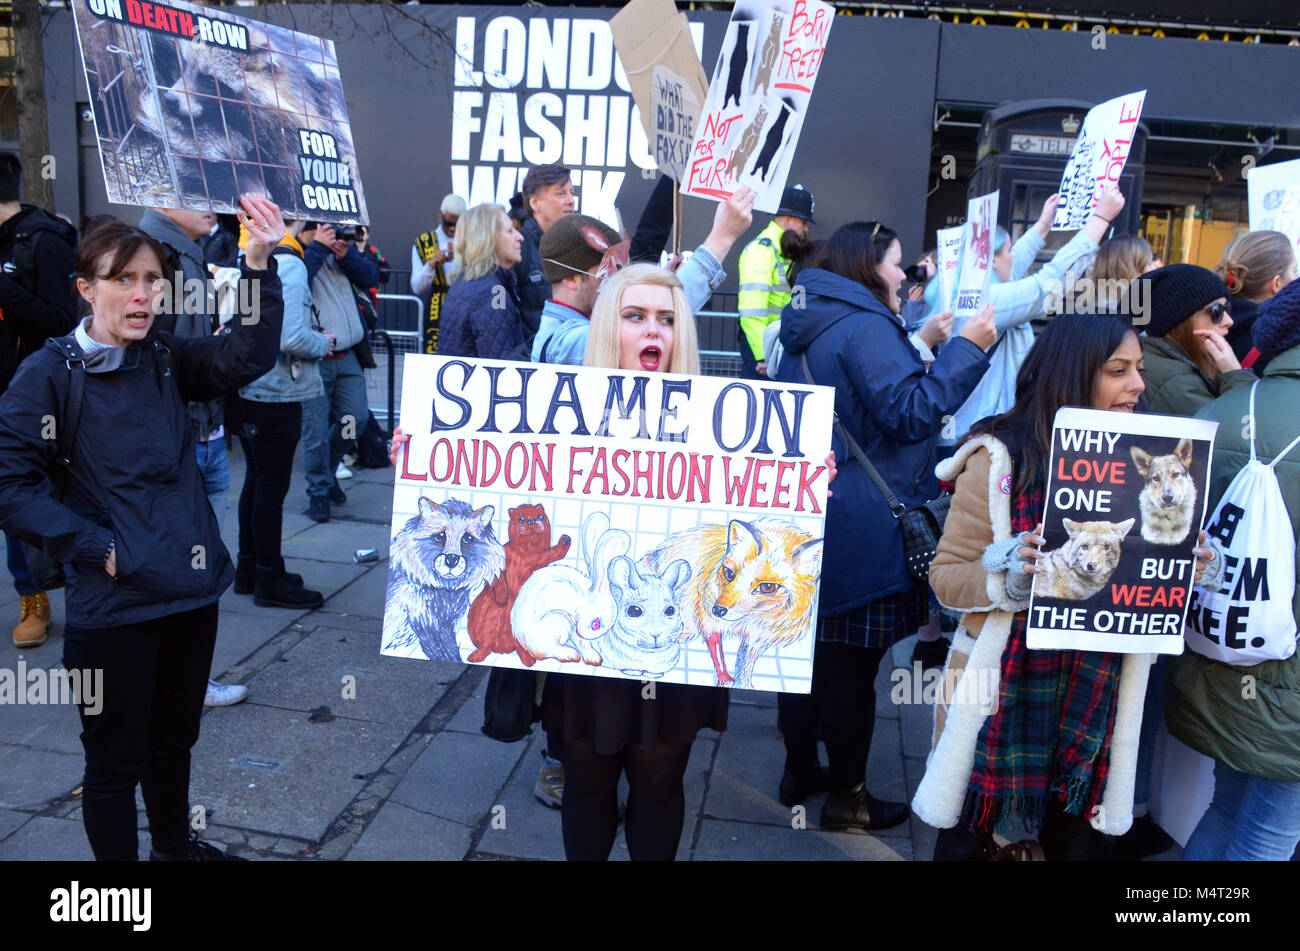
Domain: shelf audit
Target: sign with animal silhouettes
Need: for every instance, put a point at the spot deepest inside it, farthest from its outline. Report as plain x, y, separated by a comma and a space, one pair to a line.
1126, 498
195, 106
645, 526
771, 56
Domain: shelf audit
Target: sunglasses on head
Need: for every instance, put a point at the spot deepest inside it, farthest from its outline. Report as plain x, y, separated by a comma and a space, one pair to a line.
1216, 311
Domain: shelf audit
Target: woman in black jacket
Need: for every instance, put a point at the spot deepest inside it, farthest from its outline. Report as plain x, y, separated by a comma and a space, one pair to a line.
138, 541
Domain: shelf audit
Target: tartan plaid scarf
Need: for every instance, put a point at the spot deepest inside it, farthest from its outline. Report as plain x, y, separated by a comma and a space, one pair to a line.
1050, 735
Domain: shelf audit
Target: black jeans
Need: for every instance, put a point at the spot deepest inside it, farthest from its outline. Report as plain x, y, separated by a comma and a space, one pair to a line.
841, 708
656, 801
155, 674
270, 436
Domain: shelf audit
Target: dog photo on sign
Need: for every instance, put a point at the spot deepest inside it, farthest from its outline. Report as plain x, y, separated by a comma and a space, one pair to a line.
1168, 496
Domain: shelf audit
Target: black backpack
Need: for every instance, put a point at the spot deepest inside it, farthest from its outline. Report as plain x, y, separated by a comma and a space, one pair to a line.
22, 259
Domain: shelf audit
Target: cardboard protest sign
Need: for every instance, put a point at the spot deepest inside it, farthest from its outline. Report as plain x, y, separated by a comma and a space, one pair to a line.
975, 272
1273, 199
948, 265
1100, 153
1125, 500
644, 526
195, 106
771, 56
664, 72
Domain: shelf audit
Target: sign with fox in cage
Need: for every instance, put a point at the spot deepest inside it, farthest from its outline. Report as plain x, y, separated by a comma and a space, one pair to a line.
195, 107
645, 526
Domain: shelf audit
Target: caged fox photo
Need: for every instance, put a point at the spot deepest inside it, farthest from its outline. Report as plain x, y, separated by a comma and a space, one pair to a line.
182, 122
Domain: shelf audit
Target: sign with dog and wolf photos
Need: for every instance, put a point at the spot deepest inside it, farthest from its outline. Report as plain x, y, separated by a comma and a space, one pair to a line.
195, 106
758, 98
1126, 497
645, 526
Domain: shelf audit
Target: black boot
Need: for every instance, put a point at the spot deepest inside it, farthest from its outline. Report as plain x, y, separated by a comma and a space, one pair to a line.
195, 850
798, 784
246, 575
274, 590
858, 809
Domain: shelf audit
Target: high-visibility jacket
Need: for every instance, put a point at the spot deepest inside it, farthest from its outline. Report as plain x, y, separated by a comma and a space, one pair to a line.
764, 291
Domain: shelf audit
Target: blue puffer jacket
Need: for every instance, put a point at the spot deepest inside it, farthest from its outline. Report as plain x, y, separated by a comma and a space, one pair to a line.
480, 318
891, 406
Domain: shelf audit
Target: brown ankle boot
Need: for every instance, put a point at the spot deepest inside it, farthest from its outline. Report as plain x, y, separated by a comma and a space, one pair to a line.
34, 623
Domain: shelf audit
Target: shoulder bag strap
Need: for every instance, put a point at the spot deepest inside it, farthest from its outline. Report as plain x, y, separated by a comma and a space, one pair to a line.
896, 508
69, 425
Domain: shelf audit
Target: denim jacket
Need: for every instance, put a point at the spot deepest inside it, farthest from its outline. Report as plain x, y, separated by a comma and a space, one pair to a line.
563, 331
296, 374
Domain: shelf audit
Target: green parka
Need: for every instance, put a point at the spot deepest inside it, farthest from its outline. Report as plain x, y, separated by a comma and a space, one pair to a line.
1175, 385
1247, 717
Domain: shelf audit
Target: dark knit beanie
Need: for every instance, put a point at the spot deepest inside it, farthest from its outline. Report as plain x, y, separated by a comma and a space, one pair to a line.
1277, 328
574, 243
1175, 292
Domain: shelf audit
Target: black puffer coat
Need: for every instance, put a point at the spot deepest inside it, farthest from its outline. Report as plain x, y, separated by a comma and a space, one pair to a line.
134, 479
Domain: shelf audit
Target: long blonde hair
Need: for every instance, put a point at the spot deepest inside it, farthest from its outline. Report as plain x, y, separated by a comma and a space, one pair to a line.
1253, 259
476, 241
603, 334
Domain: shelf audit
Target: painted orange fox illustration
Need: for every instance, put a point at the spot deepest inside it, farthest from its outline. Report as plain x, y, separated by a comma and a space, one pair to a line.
753, 581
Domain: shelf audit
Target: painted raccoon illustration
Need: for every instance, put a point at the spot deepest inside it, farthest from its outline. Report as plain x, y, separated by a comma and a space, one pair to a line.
265, 97
438, 562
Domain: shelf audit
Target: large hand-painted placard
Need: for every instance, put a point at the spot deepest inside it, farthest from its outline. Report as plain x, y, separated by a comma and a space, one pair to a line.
758, 99
1273, 199
1126, 497
1100, 153
195, 106
975, 272
581, 520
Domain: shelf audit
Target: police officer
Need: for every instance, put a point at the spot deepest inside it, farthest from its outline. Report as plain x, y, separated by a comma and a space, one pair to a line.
764, 291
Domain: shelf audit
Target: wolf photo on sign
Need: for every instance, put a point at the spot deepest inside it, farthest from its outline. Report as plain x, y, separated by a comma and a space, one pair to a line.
581, 520
1126, 496
194, 107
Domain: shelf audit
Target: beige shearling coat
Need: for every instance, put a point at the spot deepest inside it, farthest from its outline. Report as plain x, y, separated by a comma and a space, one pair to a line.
981, 515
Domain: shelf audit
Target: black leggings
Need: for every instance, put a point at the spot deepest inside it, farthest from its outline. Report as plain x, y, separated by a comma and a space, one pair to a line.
656, 801
270, 436
155, 674
841, 709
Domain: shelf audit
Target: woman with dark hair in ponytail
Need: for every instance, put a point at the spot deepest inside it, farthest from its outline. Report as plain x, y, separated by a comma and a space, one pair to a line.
848, 335
1042, 738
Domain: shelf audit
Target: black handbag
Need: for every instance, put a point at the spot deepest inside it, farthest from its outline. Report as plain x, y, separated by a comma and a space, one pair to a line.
922, 526
47, 572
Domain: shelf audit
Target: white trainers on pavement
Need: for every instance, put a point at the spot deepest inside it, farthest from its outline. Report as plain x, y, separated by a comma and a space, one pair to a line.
223, 695
342, 472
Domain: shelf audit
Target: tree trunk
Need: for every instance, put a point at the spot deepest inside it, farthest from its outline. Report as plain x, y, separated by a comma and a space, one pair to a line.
33, 133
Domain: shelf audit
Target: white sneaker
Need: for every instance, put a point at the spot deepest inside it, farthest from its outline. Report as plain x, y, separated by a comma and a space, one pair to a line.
223, 695
342, 472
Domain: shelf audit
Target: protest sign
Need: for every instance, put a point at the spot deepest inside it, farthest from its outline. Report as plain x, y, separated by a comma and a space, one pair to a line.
948, 265
1273, 199
757, 101
1125, 498
1100, 153
975, 272
195, 106
644, 526
664, 72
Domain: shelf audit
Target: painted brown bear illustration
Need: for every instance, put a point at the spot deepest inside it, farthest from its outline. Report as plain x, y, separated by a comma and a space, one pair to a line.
529, 548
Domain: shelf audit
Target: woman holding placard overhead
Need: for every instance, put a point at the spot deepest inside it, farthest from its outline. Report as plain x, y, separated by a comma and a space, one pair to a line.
1028, 737
1243, 710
